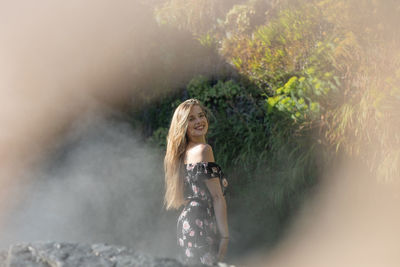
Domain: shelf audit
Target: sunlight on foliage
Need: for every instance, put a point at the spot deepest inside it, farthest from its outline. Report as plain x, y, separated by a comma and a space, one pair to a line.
317, 81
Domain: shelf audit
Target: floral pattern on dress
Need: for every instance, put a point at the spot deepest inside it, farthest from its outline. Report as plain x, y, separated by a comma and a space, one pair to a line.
197, 227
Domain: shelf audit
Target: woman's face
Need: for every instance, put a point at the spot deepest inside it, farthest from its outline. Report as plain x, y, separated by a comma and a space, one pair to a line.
197, 123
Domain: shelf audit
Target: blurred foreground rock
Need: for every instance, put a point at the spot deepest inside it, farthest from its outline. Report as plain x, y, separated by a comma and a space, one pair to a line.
53, 254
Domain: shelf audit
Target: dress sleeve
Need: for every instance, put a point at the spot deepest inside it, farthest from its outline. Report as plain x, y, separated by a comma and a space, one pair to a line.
209, 170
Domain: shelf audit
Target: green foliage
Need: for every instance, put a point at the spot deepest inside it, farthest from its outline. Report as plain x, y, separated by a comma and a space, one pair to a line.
207, 40
279, 48
299, 97
317, 79
155, 119
195, 16
249, 143
218, 94
238, 20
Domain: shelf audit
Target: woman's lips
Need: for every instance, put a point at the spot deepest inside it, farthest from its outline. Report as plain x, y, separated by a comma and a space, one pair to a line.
199, 128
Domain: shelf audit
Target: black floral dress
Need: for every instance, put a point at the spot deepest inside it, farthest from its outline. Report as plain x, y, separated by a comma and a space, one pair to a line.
197, 233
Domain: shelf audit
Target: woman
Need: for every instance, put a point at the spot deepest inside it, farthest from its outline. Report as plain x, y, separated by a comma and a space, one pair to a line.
195, 181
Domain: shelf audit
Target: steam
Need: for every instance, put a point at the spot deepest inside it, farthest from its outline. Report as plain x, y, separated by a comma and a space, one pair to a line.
68, 177
101, 185
60, 59
55, 57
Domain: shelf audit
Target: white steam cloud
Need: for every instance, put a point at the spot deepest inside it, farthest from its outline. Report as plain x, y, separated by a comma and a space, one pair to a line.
102, 184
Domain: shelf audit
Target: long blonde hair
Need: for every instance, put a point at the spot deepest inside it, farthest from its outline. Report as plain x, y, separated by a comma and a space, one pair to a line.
176, 146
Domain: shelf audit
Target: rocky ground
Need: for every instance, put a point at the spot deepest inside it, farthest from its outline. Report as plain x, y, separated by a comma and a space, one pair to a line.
53, 254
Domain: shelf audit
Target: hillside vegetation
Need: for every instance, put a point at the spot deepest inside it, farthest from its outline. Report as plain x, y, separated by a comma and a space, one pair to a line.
313, 82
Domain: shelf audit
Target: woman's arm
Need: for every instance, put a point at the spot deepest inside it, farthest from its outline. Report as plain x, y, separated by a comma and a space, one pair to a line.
220, 214
219, 205
205, 153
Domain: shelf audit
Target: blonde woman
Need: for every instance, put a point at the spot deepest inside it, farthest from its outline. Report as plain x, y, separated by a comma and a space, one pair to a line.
193, 180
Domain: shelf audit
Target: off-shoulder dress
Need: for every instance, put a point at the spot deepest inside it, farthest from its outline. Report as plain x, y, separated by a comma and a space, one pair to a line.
197, 232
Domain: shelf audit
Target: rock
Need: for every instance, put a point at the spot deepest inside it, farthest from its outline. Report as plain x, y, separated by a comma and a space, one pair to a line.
53, 254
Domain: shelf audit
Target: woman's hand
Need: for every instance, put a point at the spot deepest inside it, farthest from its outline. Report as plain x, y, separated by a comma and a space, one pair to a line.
223, 247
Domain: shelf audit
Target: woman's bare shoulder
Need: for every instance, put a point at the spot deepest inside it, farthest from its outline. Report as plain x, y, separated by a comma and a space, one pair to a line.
201, 152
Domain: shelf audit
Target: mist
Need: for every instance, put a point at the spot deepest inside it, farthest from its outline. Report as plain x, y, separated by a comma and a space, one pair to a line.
62, 59
101, 185
351, 221
72, 168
